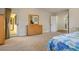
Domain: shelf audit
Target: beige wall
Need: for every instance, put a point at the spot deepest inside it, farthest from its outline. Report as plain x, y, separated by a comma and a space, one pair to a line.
2, 10
22, 19
74, 19
44, 19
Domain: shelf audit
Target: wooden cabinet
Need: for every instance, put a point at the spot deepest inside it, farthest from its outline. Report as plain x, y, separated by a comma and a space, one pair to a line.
2, 30
34, 29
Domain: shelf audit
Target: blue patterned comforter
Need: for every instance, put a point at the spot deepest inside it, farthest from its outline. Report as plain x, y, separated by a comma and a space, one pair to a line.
65, 42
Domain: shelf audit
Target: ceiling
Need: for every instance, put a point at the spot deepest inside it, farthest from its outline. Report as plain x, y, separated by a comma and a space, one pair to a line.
53, 10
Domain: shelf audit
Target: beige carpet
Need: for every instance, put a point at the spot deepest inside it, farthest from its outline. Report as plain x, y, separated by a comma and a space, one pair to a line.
28, 43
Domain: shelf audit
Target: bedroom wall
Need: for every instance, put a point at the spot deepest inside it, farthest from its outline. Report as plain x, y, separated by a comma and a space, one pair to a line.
74, 19
22, 19
2, 10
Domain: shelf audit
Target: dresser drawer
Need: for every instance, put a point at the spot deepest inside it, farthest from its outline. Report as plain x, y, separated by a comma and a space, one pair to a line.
34, 29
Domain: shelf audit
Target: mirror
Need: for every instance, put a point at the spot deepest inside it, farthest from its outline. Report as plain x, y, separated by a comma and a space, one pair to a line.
34, 19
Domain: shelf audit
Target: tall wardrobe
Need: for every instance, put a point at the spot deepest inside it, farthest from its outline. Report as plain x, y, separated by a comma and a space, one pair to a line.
2, 29
4, 19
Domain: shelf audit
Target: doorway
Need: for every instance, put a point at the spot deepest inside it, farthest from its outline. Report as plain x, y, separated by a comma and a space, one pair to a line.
12, 25
60, 22
63, 23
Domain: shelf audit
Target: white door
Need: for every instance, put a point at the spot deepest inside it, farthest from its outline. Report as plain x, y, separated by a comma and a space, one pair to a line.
53, 24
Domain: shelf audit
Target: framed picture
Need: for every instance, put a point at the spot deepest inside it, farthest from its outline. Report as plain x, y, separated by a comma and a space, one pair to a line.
34, 19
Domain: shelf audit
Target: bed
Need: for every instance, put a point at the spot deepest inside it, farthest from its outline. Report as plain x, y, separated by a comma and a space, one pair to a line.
65, 42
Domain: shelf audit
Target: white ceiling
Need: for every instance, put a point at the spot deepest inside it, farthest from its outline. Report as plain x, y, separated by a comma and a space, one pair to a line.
53, 10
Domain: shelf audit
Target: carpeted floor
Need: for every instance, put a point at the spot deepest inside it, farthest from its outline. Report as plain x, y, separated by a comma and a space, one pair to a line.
28, 43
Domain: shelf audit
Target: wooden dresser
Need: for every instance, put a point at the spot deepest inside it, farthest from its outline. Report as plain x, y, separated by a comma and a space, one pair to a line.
34, 29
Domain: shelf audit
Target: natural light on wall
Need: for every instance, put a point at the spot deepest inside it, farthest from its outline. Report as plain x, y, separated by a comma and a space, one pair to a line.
13, 26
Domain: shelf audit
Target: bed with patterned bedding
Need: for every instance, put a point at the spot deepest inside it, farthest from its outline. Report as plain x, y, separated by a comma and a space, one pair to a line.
65, 42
